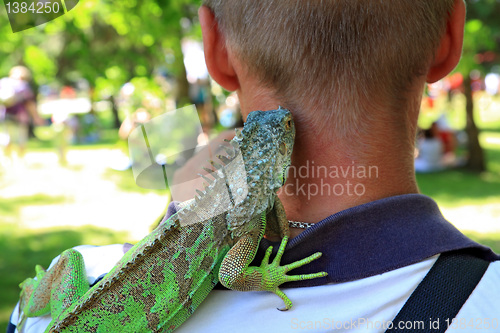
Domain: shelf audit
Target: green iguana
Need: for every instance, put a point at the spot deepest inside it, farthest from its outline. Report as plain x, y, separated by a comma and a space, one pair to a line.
159, 283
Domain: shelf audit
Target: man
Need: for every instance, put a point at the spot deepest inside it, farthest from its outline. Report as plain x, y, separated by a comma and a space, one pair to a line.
352, 72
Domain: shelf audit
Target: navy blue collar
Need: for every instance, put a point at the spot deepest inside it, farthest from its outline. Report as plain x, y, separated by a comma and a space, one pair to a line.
372, 239
375, 238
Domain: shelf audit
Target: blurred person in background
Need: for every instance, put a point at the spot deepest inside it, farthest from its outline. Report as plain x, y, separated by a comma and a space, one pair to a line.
19, 108
430, 152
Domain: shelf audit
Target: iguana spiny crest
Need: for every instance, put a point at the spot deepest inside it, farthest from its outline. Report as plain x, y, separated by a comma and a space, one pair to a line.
254, 169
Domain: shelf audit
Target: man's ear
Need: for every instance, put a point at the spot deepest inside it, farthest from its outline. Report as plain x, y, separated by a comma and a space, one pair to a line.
450, 48
217, 57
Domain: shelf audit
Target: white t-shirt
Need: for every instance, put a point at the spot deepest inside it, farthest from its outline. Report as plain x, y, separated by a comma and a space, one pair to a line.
365, 305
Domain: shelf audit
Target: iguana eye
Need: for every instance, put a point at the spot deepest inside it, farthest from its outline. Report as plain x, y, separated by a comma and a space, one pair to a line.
282, 148
288, 125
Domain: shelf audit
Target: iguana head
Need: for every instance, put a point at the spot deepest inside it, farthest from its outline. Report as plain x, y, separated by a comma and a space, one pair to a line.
266, 145
245, 185
263, 152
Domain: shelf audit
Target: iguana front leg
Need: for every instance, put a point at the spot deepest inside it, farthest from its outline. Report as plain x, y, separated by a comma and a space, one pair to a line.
277, 223
235, 272
54, 290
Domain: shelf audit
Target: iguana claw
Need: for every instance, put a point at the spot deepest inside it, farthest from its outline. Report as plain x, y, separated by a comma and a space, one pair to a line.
274, 275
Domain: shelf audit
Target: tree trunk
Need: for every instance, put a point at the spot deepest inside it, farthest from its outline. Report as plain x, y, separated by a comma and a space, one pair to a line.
114, 109
182, 84
476, 155
182, 97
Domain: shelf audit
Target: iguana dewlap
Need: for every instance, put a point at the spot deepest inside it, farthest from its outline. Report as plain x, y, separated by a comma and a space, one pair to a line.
160, 282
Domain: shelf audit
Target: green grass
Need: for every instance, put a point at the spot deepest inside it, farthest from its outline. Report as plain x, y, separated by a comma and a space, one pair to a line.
46, 140
456, 188
492, 240
453, 188
125, 182
23, 249
10, 207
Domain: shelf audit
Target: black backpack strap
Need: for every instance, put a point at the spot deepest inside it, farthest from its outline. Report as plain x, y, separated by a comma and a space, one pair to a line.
441, 294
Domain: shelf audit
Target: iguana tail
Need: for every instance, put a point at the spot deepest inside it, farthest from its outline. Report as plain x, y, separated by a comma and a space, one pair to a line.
157, 285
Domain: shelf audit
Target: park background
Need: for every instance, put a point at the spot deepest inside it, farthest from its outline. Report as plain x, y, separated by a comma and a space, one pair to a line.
94, 67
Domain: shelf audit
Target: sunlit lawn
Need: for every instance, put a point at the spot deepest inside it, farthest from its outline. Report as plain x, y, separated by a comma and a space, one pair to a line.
458, 188
22, 249
454, 188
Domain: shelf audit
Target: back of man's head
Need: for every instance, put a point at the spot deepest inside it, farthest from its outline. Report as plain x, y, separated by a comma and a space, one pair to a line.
336, 54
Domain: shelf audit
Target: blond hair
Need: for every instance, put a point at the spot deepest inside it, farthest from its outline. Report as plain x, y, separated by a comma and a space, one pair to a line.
336, 54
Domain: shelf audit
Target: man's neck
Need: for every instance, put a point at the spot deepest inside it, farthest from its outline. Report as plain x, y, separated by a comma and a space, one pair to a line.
329, 175
325, 178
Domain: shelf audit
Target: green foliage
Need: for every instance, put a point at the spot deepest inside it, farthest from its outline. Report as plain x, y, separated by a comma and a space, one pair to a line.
482, 34
40, 63
106, 42
148, 92
478, 37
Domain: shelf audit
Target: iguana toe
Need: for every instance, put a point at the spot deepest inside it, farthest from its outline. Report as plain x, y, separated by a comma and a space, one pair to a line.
274, 275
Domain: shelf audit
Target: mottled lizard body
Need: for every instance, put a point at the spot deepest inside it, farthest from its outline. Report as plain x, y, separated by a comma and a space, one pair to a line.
159, 283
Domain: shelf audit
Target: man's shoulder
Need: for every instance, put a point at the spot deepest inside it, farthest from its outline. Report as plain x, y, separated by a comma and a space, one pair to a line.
363, 305
482, 309
98, 260
485, 299
360, 305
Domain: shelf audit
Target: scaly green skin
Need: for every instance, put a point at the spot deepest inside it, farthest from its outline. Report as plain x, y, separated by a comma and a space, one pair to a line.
160, 282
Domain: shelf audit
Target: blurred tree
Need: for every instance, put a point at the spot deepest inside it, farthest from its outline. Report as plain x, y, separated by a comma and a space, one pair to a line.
481, 46
106, 42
